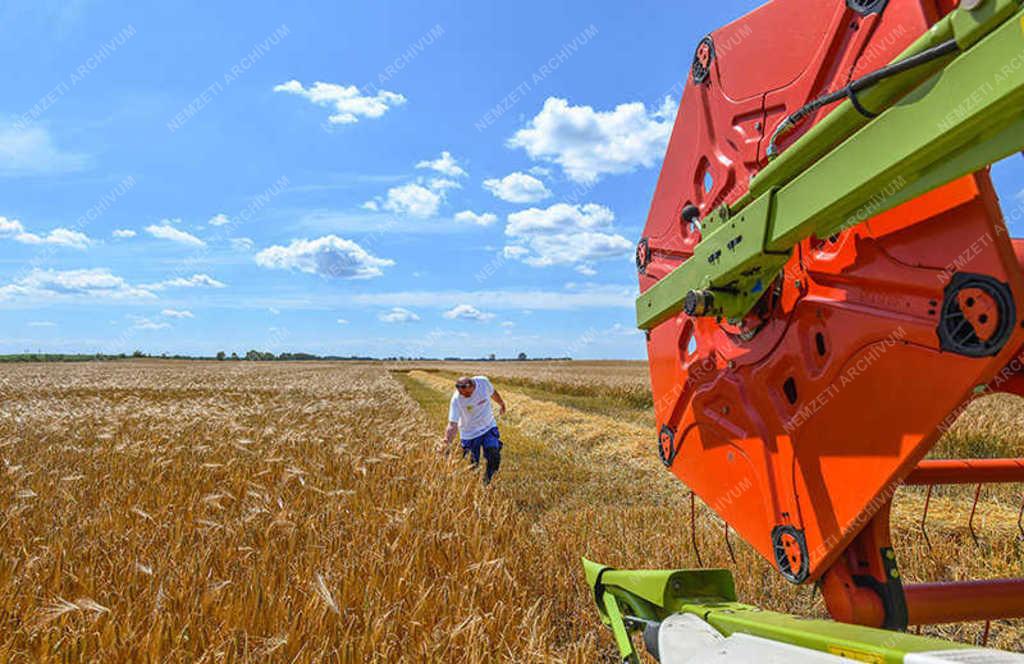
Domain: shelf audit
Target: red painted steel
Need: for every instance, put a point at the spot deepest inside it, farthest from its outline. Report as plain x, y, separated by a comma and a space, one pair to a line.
966, 471
857, 585
808, 417
965, 601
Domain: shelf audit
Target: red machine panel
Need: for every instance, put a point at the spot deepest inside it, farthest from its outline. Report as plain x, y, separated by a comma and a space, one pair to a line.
798, 426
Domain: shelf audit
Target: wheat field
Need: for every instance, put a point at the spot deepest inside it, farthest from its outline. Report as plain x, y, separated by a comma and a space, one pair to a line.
302, 512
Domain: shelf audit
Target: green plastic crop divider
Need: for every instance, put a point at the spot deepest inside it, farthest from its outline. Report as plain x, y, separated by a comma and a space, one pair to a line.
710, 594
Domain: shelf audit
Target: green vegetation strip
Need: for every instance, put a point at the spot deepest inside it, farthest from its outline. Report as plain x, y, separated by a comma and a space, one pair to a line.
533, 474
636, 411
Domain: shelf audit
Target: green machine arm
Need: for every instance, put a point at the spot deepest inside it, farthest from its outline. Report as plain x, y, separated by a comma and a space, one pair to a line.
644, 601
954, 106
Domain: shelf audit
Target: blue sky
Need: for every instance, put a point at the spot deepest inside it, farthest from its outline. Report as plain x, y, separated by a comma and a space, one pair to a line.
342, 178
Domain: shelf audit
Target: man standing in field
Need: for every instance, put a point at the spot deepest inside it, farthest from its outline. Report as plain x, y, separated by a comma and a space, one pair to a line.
471, 414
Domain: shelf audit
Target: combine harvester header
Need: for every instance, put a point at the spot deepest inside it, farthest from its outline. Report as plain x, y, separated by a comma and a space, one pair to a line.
826, 281
693, 617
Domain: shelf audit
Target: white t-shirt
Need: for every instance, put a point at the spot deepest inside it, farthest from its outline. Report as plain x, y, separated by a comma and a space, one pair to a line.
474, 414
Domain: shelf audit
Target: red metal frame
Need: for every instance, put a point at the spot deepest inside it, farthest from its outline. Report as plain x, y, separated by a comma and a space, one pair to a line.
963, 601
966, 471
798, 426
860, 587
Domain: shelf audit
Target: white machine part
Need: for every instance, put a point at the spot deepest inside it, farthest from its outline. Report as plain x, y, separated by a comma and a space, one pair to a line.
684, 638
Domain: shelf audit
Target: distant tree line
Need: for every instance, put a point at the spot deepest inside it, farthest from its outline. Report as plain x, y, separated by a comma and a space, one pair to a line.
253, 356
59, 357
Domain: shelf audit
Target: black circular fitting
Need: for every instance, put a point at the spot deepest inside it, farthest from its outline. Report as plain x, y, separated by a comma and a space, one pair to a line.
690, 214
957, 328
698, 302
865, 7
667, 445
702, 60
643, 255
790, 548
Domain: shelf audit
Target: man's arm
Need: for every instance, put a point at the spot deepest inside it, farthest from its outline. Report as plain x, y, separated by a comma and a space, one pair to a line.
498, 400
453, 423
449, 433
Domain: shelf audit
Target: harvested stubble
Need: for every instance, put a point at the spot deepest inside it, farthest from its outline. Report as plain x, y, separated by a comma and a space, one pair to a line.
623, 472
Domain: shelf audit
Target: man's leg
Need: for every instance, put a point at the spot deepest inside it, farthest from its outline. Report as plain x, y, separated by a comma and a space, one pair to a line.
492, 452
472, 446
493, 456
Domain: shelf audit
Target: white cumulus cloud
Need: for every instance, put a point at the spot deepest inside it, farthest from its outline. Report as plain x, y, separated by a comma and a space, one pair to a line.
514, 251
588, 144
90, 284
123, 233
398, 315
195, 281
573, 248
328, 256
242, 244
178, 313
466, 312
93, 284
220, 219
61, 237
517, 188
348, 101
443, 184
446, 164
143, 323
10, 227
569, 235
413, 200
560, 217
470, 217
168, 232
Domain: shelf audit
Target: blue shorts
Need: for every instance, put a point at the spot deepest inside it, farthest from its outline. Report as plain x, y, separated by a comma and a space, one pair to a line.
489, 440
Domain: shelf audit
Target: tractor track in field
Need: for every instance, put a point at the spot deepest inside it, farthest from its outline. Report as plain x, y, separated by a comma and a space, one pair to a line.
564, 457
572, 431
544, 416
557, 458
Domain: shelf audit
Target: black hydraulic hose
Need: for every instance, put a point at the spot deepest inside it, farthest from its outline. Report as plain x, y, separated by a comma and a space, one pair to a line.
862, 83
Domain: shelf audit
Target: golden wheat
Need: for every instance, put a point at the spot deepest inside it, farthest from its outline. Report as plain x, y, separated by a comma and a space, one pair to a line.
228, 511
242, 512
623, 466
